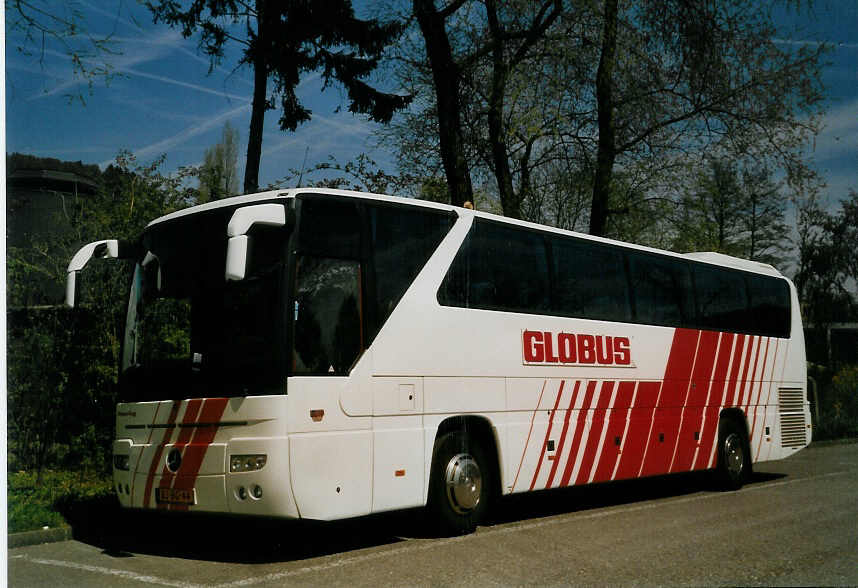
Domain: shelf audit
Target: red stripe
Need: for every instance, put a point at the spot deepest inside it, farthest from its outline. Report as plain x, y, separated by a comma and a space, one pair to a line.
769, 393
597, 424
639, 427
529, 431
715, 400
692, 410
616, 426
734, 371
159, 450
212, 412
760, 389
744, 382
563, 434
579, 431
683, 352
140, 453
547, 435
189, 418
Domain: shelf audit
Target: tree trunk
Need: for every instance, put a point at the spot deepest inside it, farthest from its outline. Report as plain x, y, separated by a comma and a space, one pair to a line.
607, 150
445, 73
510, 202
258, 107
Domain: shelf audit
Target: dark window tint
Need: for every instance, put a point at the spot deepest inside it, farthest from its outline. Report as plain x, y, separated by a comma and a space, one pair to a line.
590, 281
402, 240
499, 268
722, 301
662, 290
770, 305
329, 227
327, 316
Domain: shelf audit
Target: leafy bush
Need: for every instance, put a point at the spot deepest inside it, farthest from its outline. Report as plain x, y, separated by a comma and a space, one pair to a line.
838, 405
34, 504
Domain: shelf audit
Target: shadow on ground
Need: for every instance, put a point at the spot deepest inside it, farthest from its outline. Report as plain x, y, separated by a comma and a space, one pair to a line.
100, 522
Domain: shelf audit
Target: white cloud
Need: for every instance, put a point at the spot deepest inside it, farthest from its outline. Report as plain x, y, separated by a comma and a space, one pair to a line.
164, 145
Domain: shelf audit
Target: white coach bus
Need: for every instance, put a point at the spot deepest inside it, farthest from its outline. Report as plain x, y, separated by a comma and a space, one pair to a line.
326, 354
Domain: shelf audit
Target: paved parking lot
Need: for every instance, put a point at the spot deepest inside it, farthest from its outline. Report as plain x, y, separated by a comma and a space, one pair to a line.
794, 524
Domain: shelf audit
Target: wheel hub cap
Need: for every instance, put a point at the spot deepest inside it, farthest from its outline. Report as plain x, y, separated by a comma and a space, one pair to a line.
734, 454
464, 483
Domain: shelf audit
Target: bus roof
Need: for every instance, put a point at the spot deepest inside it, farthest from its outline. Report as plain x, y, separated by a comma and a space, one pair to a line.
713, 258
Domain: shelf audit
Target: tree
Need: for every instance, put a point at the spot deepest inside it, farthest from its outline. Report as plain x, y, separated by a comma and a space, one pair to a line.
218, 175
281, 41
45, 26
695, 75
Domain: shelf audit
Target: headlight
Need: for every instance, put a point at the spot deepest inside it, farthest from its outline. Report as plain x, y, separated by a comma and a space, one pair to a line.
246, 463
121, 462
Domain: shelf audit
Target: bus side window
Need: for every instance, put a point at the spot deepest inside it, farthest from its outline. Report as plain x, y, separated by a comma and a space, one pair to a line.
662, 291
722, 301
327, 332
590, 281
770, 305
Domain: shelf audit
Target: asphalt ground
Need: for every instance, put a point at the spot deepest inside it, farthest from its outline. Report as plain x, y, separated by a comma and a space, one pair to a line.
795, 523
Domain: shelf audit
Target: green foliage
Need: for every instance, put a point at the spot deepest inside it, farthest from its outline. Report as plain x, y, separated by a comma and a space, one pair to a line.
218, 174
37, 501
838, 403
62, 364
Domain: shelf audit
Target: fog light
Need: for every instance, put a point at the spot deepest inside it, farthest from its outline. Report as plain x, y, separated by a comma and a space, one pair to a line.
256, 492
241, 493
247, 463
121, 462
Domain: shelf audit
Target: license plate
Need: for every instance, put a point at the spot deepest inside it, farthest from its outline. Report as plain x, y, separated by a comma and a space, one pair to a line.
176, 496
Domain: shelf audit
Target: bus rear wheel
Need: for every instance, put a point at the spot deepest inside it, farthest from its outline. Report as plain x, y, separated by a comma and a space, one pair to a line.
460, 484
734, 459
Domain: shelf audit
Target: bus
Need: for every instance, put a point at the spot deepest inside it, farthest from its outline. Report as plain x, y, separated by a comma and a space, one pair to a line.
324, 354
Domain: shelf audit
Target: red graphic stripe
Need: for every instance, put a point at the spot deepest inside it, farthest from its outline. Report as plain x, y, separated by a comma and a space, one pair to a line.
597, 423
641, 415
189, 418
212, 412
579, 431
547, 435
156, 459
756, 400
745, 385
616, 426
529, 431
140, 453
716, 398
683, 352
692, 410
768, 395
563, 434
732, 398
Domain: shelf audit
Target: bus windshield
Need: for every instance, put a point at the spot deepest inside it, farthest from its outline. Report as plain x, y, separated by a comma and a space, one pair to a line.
190, 333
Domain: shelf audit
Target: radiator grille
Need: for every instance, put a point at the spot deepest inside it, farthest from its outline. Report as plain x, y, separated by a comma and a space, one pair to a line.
793, 423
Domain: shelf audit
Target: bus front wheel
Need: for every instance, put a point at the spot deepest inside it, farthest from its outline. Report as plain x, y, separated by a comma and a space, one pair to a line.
460, 483
734, 459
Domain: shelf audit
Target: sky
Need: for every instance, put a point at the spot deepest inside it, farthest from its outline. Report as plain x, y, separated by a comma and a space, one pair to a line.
163, 100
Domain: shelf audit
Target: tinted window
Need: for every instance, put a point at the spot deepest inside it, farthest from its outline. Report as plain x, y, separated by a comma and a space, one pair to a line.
499, 268
327, 316
662, 290
402, 240
770, 305
329, 227
590, 281
722, 302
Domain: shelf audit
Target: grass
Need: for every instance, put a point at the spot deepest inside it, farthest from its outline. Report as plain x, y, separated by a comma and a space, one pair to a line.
53, 500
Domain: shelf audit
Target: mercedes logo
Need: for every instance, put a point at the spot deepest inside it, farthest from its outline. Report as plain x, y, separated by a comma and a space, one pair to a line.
174, 460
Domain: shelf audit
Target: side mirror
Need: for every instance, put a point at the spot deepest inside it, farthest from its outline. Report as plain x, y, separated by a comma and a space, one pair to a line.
105, 249
272, 215
99, 249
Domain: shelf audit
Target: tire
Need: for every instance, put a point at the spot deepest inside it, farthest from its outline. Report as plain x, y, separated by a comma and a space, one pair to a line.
734, 456
461, 484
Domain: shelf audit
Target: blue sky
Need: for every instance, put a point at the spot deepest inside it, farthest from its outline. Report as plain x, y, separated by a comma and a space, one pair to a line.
162, 99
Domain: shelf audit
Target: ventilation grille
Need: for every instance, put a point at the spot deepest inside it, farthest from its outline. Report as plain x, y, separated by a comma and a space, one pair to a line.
793, 423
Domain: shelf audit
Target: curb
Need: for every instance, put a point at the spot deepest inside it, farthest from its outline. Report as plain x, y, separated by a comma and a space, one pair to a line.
39, 536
